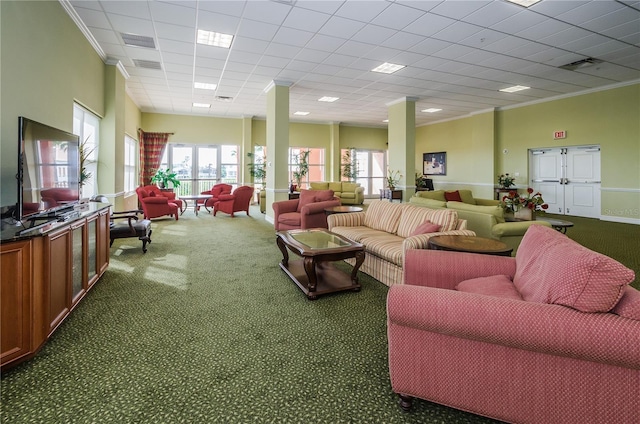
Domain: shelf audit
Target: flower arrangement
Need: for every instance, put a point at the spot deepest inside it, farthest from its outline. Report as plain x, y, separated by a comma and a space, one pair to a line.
393, 178
513, 201
505, 180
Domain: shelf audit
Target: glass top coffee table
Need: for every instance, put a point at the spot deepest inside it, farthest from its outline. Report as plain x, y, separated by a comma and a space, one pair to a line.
314, 273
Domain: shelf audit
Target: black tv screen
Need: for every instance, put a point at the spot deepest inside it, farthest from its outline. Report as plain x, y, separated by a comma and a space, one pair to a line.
48, 169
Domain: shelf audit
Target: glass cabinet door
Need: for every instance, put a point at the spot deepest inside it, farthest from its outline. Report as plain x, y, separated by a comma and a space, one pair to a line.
92, 246
77, 261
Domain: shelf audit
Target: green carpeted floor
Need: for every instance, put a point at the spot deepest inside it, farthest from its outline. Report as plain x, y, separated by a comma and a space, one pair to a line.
207, 328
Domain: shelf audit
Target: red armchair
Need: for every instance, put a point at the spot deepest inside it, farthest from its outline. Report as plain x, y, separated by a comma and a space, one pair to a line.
215, 192
168, 194
52, 197
305, 212
237, 201
155, 206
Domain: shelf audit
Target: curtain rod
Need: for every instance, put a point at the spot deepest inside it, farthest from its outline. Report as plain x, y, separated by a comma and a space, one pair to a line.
140, 129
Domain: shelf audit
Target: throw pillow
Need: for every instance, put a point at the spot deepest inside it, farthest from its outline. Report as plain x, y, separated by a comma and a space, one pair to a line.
152, 194
629, 305
552, 268
494, 285
452, 196
306, 197
426, 228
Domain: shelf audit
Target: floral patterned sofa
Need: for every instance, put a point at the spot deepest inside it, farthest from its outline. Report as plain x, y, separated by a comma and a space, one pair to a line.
388, 230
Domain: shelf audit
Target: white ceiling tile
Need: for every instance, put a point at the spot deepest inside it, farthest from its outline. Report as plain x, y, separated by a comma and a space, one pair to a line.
492, 13
217, 22
135, 9
282, 50
396, 16
175, 32
258, 30
306, 20
544, 29
515, 23
458, 9
104, 36
94, 18
131, 25
363, 11
355, 48
293, 37
266, 11
341, 27
329, 7
374, 34
172, 13
251, 45
402, 40
211, 52
171, 46
181, 59
428, 25
231, 8
325, 43
590, 11
457, 32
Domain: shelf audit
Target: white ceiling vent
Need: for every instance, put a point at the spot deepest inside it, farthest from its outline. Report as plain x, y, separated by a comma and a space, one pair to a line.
138, 40
224, 99
584, 63
147, 64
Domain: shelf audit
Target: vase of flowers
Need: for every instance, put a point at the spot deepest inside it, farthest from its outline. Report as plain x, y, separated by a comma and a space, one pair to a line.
524, 206
393, 178
505, 181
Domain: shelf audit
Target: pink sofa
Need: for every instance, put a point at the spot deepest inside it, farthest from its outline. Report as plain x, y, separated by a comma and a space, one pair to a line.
550, 336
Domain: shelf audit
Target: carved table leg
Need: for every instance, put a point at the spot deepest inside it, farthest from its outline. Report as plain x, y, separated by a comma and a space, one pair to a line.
354, 271
283, 249
310, 269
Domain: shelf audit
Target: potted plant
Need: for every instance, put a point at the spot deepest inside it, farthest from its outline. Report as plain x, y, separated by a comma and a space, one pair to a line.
393, 178
257, 168
302, 168
505, 181
349, 164
524, 206
163, 177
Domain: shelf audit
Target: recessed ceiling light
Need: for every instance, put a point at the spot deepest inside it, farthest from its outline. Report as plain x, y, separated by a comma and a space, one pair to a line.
216, 39
204, 85
514, 88
388, 68
431, 110
201, 105
524, 3
299, 113
328, 99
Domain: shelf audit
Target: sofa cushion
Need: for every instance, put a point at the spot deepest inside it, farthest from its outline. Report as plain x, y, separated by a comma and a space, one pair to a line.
629, 305
552, 268
496, 211
357, 233
467, 197
320, 186
494, 285
452, 196
306, 197
383, 216
292, 219
336, 187
426, 228
347, 195
430, 203
412, 216
323, 195
349, 187
386, 246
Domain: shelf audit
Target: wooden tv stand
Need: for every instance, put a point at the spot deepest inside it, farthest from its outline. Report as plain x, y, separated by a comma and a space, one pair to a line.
45, 274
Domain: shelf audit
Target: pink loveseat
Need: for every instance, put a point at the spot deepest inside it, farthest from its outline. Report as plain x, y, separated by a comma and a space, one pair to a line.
550, 336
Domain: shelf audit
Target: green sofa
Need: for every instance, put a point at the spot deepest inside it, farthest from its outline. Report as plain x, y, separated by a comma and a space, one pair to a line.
349, 193
484, 216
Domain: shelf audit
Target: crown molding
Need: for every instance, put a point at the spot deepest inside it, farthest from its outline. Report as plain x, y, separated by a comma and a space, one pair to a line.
83, 28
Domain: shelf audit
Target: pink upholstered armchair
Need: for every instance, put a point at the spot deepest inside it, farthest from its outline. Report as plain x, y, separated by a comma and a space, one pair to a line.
156, 206
215, 192
550, 336
304, 212
171, 197
237, 201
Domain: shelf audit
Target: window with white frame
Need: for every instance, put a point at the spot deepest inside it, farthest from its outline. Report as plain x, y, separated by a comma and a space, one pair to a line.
131, 154
86, 126
315, 160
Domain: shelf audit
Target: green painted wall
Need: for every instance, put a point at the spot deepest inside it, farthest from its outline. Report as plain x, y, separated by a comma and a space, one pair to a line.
194, 129
41, 75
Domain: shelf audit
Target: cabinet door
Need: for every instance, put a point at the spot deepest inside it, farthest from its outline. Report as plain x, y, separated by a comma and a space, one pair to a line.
92, 250
103, 227
15, 295
78, 260
58, 268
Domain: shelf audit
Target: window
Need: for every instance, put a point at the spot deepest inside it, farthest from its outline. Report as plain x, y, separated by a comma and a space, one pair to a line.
315, 161
86, 125
131, 154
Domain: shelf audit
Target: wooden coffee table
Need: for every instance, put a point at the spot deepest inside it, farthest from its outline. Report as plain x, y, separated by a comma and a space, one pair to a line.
470, 244
314, 273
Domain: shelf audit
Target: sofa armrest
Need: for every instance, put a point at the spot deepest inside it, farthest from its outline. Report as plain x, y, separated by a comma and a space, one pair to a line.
155, 200
318, 207
443, 269
359, 195
507, 229
354, 219
285, 206
421, 241
538, 327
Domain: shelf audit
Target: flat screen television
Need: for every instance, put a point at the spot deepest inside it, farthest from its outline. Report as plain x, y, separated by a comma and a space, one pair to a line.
48, 170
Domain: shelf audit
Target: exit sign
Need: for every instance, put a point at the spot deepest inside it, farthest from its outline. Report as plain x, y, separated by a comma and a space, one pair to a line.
559, 134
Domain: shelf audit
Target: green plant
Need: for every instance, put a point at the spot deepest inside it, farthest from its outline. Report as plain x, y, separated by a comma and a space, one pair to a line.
393, 178
302, 168
421, 181
84, 160
164, 177
257, 167
349, 164
505, 180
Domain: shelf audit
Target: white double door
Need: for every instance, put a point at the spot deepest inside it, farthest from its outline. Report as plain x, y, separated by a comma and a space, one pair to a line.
568, 178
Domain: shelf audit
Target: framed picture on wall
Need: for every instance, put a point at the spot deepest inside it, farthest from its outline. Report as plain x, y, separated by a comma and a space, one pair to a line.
434, 163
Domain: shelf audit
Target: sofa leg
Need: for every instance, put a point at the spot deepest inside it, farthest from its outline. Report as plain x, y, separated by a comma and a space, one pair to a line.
405, 402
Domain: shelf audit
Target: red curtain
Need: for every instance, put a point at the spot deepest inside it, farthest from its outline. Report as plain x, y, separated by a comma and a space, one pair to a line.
152, 147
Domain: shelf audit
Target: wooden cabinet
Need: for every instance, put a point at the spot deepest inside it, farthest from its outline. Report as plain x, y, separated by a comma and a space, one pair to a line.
45, 277
15, 295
